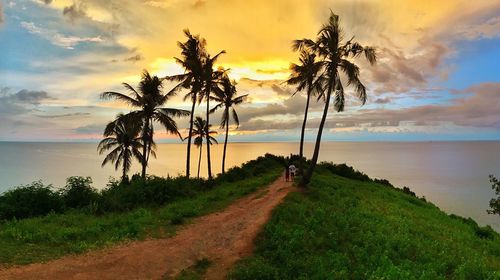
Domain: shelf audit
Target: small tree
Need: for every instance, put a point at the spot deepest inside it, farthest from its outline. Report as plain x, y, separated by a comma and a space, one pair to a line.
495, 202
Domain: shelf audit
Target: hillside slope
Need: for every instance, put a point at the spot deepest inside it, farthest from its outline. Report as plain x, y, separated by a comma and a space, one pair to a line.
343, 228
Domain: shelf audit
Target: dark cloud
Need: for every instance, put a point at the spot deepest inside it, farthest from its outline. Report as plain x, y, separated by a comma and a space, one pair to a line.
78, 114
47, 2
31, 96
76, 11
20, 102
199, 4
281, 91
400, 72
96, 128
134, 58
384, 100
476, 106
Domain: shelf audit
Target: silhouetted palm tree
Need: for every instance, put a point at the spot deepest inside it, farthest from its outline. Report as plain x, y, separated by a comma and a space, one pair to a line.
226, 99
199, 133
192, 52
306, 75
211, 79
122, 137
149, 98
335, 55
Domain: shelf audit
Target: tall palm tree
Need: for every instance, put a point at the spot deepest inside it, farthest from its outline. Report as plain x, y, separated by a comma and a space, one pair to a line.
226, 99
210, 78
192, 52
122, 137
306, 75
199, 133
149, 98
335, 57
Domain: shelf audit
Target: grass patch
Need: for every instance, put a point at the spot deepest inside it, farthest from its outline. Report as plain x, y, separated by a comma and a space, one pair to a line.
350, 229
196, 271
75, 231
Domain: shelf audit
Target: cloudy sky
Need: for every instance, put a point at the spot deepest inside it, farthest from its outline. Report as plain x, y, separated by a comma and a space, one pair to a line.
437, 77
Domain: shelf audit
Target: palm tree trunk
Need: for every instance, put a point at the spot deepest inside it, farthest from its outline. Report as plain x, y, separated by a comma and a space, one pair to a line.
307, 177
124, 175
145, 149
209, 165
301, 149
188, 157
199, 161
225, 142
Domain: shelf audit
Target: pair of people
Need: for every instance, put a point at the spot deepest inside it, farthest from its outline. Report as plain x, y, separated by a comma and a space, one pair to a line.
290, 173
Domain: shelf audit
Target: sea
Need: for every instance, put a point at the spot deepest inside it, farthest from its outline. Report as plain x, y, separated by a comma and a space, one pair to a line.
452, 175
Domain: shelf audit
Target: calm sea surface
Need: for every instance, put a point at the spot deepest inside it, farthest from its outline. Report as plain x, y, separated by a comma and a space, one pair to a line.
453, 175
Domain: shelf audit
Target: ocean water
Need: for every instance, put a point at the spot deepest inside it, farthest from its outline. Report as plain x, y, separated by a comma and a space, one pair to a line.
453, 175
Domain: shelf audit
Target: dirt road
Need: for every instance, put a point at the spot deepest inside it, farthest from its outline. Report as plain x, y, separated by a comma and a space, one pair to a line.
222, 237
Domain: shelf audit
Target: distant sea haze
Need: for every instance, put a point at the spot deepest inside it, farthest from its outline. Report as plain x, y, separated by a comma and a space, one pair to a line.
452, 175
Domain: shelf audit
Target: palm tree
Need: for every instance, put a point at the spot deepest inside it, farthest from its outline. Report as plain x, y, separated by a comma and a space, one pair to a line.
210, 79
122, 137
335, 55
227, 99
306, 75
149, 97
199, 133
192, 52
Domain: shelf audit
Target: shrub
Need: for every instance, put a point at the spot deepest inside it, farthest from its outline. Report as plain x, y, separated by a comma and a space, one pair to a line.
30, 200
78, 192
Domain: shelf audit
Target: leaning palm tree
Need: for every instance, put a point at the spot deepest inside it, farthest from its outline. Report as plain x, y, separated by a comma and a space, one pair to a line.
192, 52
122, 137
226, 99
199, 133
210, 78
149, 98
306, 75
335, 58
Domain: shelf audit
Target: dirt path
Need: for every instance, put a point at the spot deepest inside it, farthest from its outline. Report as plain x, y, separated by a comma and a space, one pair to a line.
222, 237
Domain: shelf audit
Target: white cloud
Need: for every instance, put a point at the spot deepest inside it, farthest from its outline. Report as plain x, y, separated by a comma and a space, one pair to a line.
65, 41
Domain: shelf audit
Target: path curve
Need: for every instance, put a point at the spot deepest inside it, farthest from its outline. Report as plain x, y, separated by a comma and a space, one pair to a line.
222, 237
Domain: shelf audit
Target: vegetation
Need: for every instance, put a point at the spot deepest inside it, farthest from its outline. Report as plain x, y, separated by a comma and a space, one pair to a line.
199, 134
306, 76
226, 99
149, 98
192, 52
211, 79
335, 57
344, 228
495, 202
196, 271
122, 137
121, 212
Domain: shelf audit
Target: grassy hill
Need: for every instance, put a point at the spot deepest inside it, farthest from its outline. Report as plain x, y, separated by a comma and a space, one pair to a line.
345, 228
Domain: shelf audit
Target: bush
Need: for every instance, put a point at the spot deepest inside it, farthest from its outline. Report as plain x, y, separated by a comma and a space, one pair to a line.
30, 200
78, 192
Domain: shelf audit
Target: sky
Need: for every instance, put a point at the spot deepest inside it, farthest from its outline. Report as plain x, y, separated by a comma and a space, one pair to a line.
437, 76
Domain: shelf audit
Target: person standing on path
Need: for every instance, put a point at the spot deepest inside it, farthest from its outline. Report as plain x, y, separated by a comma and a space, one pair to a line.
292, 170
287, 174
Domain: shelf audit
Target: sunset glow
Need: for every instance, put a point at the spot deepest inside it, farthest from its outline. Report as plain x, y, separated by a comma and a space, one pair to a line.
436, 78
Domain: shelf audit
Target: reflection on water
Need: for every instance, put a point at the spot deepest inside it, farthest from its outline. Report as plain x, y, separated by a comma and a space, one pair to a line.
453, 175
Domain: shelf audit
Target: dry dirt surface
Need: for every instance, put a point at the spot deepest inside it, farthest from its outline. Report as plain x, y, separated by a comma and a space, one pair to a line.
221, 237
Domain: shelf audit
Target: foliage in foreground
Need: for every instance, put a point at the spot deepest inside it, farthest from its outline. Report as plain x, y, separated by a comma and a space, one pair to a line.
350, 229
152, 210
495, 202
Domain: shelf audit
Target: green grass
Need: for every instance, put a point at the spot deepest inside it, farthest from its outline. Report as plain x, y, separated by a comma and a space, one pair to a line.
196, 271
348, 229
52, 236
